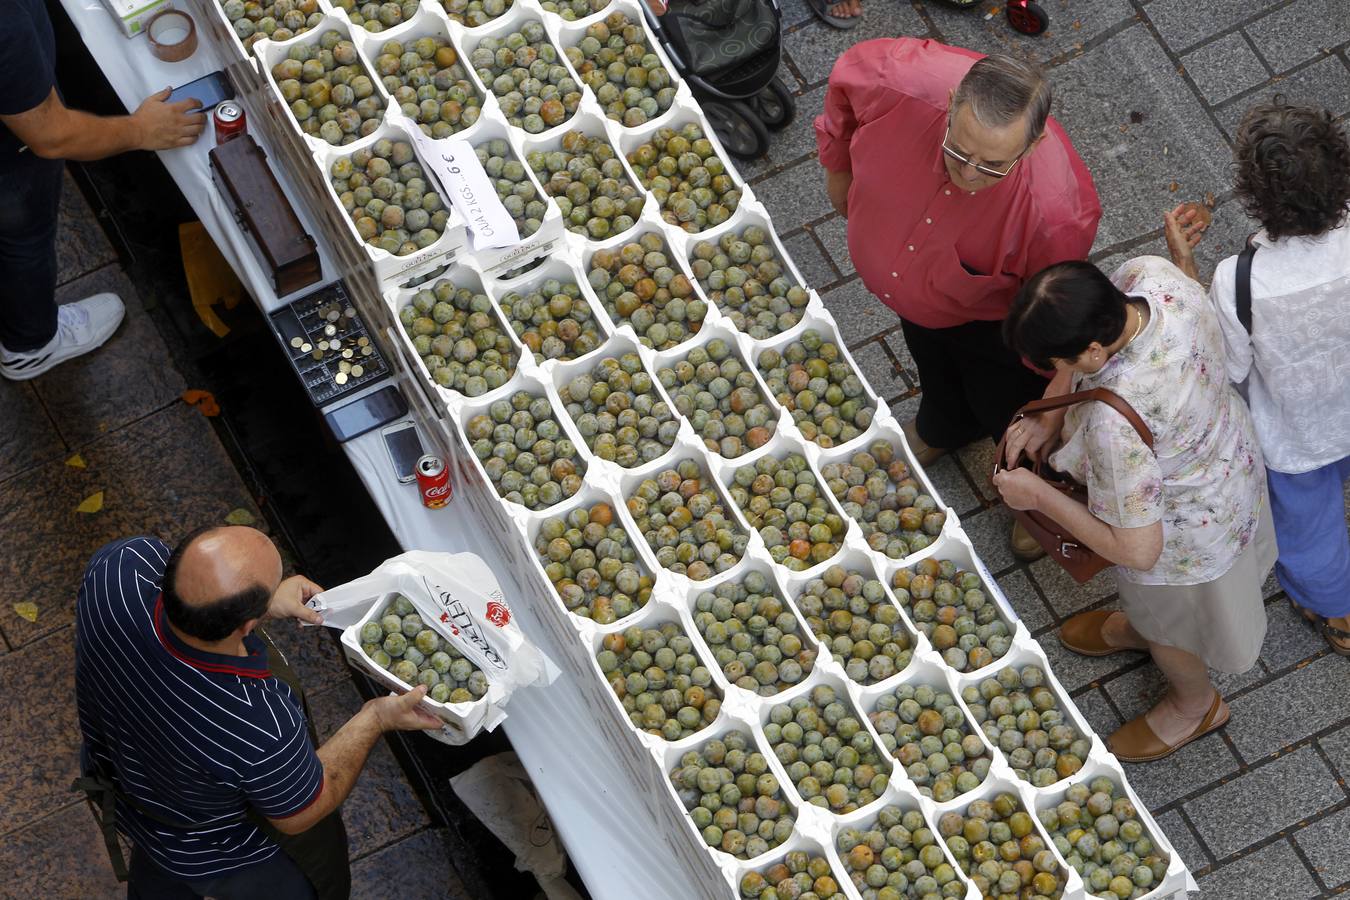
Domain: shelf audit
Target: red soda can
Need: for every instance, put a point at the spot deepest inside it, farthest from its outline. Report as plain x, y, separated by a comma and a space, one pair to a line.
434, 480
229, 119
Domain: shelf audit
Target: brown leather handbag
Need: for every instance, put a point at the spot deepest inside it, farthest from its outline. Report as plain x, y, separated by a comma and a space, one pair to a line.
1075, 557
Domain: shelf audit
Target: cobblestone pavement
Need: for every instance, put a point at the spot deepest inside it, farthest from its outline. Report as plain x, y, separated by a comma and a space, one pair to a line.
1150, 91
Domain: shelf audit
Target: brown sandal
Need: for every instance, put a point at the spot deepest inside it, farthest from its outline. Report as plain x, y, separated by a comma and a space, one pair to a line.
1135, 741
1083, 634
1337, 638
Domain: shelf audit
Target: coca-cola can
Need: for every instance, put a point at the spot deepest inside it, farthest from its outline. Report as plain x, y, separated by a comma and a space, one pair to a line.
433, 478
229, 119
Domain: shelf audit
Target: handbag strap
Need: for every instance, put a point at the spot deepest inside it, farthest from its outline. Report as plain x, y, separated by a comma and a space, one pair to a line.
1244, 285
1104, 395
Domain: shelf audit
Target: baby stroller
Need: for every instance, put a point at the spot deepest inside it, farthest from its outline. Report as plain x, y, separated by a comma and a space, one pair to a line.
728, 52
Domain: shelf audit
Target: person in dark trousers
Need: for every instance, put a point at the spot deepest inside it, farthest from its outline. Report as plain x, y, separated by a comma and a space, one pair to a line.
196, 732
37, 133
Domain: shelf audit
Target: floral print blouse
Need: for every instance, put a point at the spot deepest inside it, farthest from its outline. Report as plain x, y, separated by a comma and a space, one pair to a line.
1204, 478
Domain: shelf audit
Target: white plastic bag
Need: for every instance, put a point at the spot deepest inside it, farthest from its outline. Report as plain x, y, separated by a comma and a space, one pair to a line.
457, 596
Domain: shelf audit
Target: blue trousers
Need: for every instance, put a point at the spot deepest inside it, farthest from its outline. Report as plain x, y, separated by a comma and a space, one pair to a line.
1309, 513
31, 190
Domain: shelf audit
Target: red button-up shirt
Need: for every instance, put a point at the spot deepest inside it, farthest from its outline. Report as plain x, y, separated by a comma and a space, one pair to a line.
938, 255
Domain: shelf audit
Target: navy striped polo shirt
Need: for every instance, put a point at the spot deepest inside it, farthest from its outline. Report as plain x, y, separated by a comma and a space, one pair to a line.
192, 737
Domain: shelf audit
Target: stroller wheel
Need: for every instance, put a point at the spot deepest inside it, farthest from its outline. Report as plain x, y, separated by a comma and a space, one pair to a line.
737, 127
1027, 16
774, 105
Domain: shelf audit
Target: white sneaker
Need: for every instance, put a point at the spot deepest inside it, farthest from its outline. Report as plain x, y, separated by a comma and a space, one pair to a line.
80, 327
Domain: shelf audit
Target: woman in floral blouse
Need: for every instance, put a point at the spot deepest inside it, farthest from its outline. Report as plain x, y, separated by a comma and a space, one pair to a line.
1187, 522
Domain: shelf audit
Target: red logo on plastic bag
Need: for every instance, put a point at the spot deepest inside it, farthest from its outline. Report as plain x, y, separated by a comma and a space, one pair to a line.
497, 613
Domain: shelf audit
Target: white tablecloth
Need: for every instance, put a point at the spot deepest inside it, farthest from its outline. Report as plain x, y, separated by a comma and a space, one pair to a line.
618, 851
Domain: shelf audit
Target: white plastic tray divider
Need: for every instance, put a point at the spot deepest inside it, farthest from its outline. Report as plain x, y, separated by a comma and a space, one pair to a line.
885, 428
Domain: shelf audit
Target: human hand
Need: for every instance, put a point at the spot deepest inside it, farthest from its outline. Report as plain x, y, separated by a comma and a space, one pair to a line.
1029, 435
164, 126
837, 185
401, 712
1184, 226
288, 601
1020, 488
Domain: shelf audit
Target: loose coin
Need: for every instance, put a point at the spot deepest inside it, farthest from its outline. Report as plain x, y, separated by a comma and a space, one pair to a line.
358, 370
329, 330
317, 354
362, 341
349, 312
306, 347
367, 350
296, 342
340, 378
344, 367
347, 354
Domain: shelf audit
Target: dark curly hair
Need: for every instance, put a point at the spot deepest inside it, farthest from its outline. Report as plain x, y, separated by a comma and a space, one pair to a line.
1293, 169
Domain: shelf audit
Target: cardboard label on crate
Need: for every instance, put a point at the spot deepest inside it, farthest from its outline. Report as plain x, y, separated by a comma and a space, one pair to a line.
471, 191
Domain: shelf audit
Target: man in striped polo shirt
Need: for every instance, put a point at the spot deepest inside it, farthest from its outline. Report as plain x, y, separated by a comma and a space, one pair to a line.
201, 734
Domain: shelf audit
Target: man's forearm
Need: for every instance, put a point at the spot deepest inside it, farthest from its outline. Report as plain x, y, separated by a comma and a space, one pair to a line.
343, 757
85, 137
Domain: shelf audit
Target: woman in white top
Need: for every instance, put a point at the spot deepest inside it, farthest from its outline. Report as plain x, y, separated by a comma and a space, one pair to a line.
1293, 176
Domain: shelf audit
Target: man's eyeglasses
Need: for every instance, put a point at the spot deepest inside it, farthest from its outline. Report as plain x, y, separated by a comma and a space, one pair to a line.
978, 167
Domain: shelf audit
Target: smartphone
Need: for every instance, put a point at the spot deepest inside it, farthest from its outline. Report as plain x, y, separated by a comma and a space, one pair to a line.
210, 90
371, 411
405, 449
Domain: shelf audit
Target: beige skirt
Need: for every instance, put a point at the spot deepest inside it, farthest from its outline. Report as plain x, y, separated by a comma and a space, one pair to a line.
1222, 621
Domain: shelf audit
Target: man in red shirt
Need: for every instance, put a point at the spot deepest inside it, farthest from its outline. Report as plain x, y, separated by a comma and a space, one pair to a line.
957, 187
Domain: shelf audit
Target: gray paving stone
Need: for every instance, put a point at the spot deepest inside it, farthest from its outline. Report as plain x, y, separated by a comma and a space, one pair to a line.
1021, 593
1324, 844
1098, 712
795, 196
810, 261
1185, 23
1183, 840
1337, 748
1192, 767
1271, 872
1067, 596
988, 530
1076, 672
977, 458
1095, 96
879, 370
1325, 83
799, 138
833, 233
1237, 814
857, 312
1285, 711
953, 491
896, 341
905, 408
815, 47
1071, 25
795, 12
1225, 68
1300, 31
1288, 638
1136, 691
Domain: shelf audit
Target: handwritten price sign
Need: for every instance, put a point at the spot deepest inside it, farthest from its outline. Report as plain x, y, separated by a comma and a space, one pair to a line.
470, 190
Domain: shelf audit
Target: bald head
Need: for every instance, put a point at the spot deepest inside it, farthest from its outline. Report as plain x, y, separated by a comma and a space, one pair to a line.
218, 579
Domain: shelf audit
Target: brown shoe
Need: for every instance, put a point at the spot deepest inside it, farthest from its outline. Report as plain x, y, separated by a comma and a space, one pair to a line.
1337, 632
1083, 634
1135, 741
1024, 546
924, 455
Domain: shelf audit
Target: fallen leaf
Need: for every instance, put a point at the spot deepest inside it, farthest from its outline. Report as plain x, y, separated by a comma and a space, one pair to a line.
26, 610
1136, 117
76, 462
1209, 199
1077, 24
1173, 187
240, 516
205, 401
91, 504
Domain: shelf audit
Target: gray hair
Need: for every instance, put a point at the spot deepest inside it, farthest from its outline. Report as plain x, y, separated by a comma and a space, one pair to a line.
1001, 90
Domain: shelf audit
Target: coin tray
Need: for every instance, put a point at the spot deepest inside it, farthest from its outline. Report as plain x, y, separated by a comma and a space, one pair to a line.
301, 319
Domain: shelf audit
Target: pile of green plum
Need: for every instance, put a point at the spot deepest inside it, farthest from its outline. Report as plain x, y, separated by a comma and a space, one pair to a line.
533, 88
664, 689
682, 517
800, 874
924, 729
525, 452
553, 320
473, 13
850, 614
813, 381
586, 178
459, 338
743, 275
571, 10
896, 857
279, 20
426, 80
392, 203
1097, 830
640, 286
995, 843
1020, 716
732, 797
619, 413
328, 90
400, 643
828, 754
753, 636
950, 607
592, 565
628, 79
514, 187
686, 176
877, 489
782, 501
374, 17
715, 391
